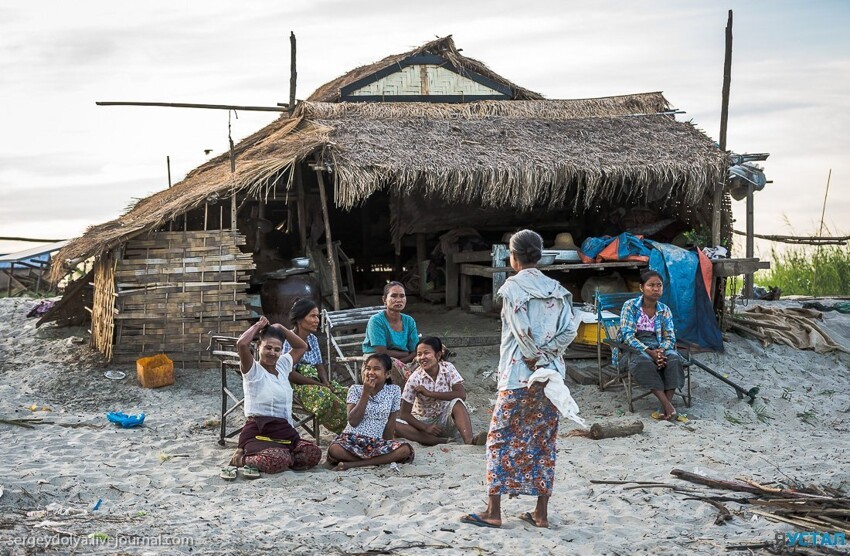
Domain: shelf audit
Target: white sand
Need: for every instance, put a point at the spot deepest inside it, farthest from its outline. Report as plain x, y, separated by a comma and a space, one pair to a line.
145, 494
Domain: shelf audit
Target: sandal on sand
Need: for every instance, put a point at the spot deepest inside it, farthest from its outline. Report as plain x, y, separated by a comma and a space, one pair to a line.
658, 415
473, 519
250, 472
480, 439
228, 473
528, 518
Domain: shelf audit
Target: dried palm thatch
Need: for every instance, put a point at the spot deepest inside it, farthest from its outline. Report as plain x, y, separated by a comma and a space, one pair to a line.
519, 154
445, 47
501, 161
623, 105
262, 157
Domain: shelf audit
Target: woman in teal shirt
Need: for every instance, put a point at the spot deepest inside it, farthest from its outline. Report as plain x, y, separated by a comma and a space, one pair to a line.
393, 333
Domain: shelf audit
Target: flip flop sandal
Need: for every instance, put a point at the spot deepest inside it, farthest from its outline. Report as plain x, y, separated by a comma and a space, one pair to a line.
528, 518
658, 415
473, 519
228, 473
250, 472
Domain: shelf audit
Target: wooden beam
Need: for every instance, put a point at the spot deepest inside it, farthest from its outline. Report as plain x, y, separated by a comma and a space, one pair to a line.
30, 239
421, 257
301, 206
328, 238
724, 118
293, 74
452, 273
195, 105
487, 272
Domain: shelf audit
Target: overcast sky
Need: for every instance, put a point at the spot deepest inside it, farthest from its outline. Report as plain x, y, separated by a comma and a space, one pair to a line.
66, 164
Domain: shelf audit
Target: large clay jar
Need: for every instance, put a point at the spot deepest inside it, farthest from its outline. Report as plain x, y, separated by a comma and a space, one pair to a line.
279, 294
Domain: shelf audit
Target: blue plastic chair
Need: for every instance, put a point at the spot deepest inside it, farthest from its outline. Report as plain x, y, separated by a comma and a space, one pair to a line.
610, 326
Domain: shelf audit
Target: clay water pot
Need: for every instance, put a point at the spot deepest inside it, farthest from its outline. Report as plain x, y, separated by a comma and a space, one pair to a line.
278, 295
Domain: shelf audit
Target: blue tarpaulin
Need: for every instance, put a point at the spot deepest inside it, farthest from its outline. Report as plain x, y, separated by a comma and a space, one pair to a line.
684, 289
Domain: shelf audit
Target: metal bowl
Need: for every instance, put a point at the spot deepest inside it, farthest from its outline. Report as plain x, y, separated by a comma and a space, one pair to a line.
546, 259
301, 262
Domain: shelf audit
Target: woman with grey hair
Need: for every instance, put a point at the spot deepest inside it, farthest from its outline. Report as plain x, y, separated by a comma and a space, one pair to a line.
537, 327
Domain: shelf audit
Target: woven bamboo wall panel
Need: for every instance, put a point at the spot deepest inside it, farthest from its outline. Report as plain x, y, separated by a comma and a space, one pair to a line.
103, 305
174, 289
425, 80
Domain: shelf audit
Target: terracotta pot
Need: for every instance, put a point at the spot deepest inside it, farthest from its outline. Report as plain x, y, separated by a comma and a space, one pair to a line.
279, 294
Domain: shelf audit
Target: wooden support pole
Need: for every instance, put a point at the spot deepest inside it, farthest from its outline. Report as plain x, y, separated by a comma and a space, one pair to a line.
748, 278
293, 74
233, 210
452, 274
421, 257
301, 204
724, 117
323, 196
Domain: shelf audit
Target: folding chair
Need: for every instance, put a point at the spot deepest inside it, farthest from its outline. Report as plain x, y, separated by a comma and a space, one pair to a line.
608, 323
345, 331
224, 348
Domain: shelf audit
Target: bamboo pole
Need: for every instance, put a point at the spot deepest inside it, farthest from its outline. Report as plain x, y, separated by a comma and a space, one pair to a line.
293, 74
196, 105
820, 232
724, 117
328, 239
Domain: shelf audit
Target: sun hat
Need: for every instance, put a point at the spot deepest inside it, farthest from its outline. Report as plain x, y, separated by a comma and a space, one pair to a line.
564, 241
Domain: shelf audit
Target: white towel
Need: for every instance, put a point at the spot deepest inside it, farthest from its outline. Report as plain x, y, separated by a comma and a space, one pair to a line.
558, 394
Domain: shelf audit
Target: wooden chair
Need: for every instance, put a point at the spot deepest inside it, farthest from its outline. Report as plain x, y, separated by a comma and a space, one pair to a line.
224, 348
608, 308
345, 331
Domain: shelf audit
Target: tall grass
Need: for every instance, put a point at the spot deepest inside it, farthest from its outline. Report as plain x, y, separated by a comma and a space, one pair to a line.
808, 270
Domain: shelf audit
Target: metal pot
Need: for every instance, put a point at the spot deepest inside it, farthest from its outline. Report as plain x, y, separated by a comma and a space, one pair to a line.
278, 295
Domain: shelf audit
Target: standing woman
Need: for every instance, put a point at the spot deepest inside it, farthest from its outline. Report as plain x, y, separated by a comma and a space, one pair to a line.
392, 333
372, 411
327, 402
537, 327
646, 324
268, 442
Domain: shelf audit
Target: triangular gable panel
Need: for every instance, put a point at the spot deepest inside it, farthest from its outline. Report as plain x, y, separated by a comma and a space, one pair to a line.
426, 78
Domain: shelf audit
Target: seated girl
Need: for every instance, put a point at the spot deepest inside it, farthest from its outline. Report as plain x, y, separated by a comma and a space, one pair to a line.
393, 333
268, 442
646, 324
432, 404
372, 411
326, 402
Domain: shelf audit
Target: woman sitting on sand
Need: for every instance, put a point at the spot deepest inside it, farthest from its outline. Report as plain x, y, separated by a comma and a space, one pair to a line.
372, 411
646, 324
328, 404
393, 333
432, 404
268, 442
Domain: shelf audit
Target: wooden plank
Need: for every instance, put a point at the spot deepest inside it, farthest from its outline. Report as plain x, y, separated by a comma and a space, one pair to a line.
190, 259
472, 257
452, 274
465, 289
167, 270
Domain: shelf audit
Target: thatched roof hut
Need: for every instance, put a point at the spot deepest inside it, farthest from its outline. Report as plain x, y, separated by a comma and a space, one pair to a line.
440, 159
518, 154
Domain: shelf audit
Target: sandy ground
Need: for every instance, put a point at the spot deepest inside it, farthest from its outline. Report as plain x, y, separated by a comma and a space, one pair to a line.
160, 482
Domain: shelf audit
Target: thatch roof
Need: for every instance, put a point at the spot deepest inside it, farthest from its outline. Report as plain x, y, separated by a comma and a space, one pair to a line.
521, 153
445, 47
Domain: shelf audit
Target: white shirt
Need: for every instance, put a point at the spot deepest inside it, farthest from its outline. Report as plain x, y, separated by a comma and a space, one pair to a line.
267, 395
385, 401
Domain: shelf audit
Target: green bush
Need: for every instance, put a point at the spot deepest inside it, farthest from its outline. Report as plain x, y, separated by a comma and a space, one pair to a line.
808, 270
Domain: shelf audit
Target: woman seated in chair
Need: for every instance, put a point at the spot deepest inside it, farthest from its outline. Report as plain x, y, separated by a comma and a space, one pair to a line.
432, 404
327, 403
268, 442
393, 333
646, 324
372, 412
